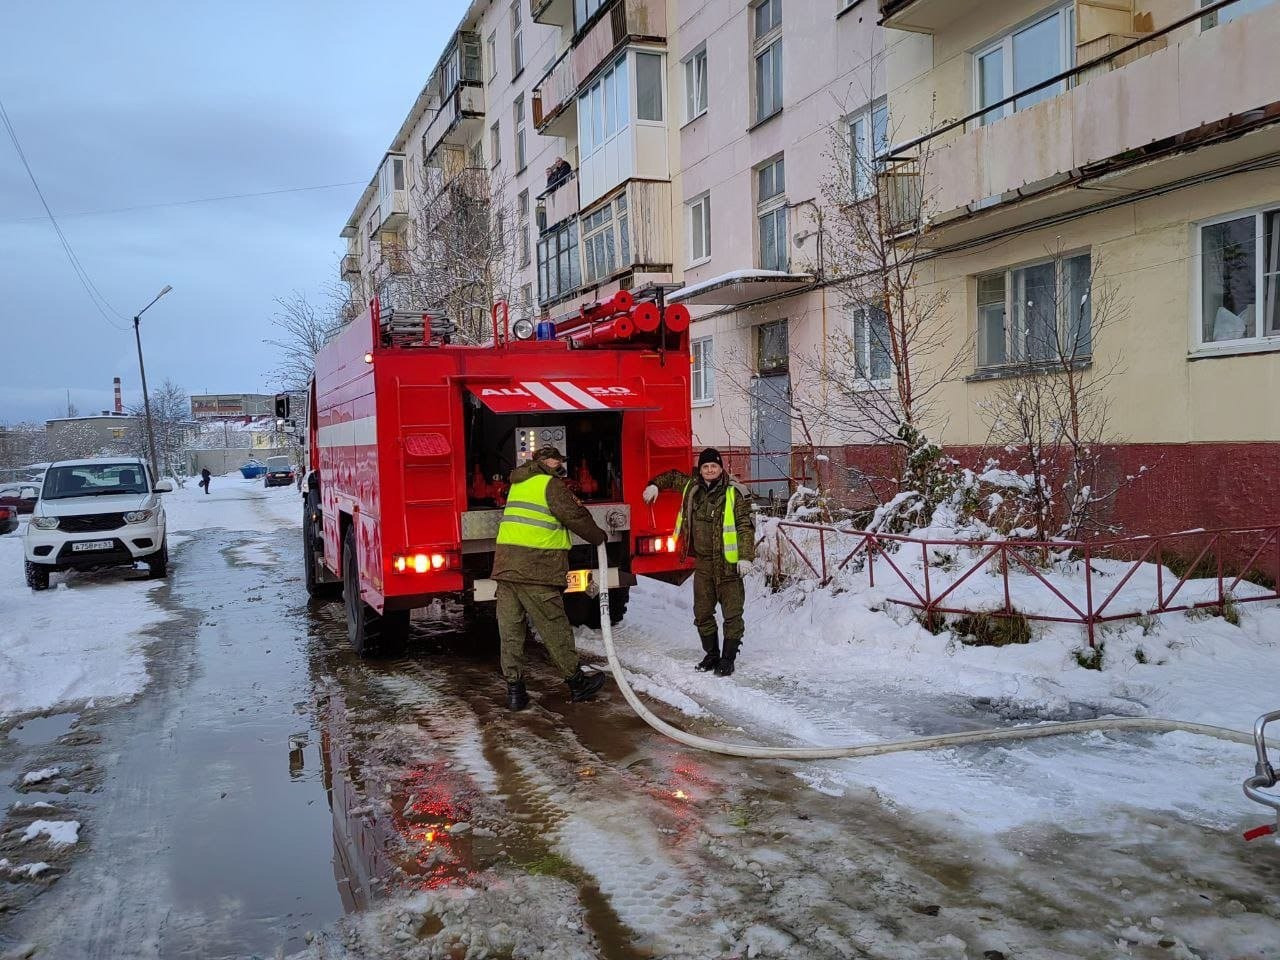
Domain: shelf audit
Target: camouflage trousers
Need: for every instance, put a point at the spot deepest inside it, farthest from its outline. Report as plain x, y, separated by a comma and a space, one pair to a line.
713, 585
524, 604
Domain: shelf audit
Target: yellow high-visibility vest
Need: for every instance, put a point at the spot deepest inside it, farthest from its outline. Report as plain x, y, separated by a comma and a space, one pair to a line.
729, 526
528, 521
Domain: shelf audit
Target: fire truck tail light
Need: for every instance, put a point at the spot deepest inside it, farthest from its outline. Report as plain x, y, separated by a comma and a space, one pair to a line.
423, 562
650, 545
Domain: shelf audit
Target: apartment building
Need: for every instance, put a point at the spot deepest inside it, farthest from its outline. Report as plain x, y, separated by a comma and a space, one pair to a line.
1126, 150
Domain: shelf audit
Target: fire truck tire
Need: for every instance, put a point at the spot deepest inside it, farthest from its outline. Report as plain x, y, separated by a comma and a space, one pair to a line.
584, 611
317, 589
369, 632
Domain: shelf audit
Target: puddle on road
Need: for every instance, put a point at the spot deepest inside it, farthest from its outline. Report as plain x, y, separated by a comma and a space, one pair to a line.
37, 731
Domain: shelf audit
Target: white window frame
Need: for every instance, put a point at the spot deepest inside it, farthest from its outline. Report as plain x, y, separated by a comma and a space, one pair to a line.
769, 207
495, 144
1011, 346
517, 117
698, 219
605, 83
517, 39
522, 217
768, 43
1261, 341
702, 375
491, 54
1004, 43
862, 351
695, 84
612, 227
862, 148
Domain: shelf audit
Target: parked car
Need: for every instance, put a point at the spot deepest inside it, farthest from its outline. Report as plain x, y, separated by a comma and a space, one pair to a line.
104, 512
279, 472
21, 496
252, 468
8, 518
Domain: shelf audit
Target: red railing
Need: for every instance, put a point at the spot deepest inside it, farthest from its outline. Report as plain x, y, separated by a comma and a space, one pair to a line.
1089, 598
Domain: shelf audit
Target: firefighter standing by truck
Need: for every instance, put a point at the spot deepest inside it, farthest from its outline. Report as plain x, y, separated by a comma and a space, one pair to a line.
715, 527
531, 565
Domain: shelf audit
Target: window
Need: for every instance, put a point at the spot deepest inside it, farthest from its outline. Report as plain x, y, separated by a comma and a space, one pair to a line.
695, 85
526, 299
767, 18
397, 173
604, 110
872, 356
495, 144
1240, 278
1232, 12
491, 56
517, 111
471, 59
699, 229
1022, 59
772, 348
517, 40
771, 216
649, 86
558, 270
606, 247
701, 376
868, 139
522, 214
1037, 313
476, 155
499, 229
584, 10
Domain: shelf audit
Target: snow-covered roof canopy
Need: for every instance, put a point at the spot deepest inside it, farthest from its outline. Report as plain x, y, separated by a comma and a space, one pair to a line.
740, 286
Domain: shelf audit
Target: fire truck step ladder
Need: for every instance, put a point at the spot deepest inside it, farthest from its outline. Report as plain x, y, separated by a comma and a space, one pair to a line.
1264, 777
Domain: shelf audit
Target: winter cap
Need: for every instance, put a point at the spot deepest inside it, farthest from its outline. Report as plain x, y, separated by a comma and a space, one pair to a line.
547, 453
710, 455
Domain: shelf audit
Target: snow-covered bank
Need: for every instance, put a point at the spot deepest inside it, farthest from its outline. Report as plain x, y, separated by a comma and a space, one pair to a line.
84, 638
827, 667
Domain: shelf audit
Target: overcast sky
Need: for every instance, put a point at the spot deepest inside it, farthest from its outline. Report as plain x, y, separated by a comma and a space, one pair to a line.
147, 104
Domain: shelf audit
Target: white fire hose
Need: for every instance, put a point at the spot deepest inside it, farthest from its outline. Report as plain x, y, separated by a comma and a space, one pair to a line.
1149, 724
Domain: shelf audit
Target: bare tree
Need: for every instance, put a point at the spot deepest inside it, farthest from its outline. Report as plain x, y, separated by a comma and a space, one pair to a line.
22, 444
304, 328
173, 426
1054, 419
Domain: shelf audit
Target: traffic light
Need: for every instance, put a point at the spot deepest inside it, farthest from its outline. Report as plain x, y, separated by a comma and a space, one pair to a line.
282, 406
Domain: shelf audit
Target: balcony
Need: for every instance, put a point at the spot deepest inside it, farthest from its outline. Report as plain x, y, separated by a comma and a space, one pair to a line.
1196, 105
393, 198
462, 194
925, 16
900, 188
350, 309
553, 96
553, 13
349, 270
625, 21
558, 203
458, 121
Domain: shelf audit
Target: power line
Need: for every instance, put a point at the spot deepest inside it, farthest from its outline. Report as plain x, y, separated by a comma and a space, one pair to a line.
95, 296
197, 200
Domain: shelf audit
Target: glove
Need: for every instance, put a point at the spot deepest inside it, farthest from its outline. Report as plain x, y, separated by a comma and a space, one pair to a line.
650, 493
745, 567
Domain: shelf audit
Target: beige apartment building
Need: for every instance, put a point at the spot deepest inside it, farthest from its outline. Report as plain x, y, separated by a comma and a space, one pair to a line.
1129, 146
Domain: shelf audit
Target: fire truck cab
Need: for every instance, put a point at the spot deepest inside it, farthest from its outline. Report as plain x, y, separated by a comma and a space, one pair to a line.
411, 440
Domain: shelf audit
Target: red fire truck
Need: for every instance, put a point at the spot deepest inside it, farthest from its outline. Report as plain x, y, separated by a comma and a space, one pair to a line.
411, 438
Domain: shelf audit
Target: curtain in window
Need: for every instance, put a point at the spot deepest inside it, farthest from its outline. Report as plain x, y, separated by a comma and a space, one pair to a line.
1228, 280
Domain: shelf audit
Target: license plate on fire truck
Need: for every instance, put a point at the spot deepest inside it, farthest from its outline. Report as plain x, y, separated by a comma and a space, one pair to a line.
578, 581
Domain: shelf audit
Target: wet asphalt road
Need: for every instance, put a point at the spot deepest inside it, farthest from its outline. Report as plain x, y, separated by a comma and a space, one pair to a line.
267, 782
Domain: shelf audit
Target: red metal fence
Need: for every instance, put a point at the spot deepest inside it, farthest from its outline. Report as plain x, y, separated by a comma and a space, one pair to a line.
1214, 562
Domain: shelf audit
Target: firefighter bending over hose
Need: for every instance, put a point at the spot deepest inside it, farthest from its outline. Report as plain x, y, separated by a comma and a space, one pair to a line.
531, 565
721, 539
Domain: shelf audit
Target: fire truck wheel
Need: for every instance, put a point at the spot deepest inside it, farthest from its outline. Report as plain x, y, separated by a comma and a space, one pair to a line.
317, 589
368, 631
584, 611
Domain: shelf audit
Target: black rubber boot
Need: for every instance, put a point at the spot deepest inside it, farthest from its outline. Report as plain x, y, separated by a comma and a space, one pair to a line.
584, 686
517, 696
725, 667
711, 647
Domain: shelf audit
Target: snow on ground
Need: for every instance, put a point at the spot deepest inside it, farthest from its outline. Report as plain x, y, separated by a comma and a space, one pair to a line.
84, 637
829, 667
61, 833
39, 776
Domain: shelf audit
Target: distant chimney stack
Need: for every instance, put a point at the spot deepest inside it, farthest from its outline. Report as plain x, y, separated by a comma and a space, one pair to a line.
119, 403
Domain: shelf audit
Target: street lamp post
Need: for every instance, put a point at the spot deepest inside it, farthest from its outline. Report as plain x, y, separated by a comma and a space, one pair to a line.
146, 400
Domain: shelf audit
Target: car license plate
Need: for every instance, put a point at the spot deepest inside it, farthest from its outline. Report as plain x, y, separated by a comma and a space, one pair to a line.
578, 581
92, 545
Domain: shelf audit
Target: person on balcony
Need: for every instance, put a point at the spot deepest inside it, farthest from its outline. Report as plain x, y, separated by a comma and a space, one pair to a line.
558, 173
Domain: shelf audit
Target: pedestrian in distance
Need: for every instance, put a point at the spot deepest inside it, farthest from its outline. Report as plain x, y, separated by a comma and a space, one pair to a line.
716, 528
205, 477
531, 565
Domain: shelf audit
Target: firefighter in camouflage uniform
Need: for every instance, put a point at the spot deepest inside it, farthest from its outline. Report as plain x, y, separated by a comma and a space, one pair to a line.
531, 564
715, 527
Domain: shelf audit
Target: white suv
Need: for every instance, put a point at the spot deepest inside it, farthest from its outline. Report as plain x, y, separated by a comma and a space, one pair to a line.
96, 513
